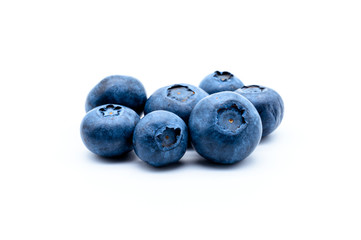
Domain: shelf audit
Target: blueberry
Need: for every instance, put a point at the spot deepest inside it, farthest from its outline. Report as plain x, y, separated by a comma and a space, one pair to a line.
225, 127
268, 103
117, 89
178, 98
107, 130
220, 81
160, 138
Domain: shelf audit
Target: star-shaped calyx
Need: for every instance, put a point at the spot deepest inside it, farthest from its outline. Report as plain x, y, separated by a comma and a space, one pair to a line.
223, 76
252, 88
110, 110
180, 92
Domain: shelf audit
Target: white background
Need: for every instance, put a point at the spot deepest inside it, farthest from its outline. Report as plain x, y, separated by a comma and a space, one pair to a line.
302, 182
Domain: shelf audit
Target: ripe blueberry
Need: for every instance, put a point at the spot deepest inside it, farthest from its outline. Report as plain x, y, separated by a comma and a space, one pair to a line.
160, 138
268, 103
107, 130
178, 98
220, 81
117, 89
225, 127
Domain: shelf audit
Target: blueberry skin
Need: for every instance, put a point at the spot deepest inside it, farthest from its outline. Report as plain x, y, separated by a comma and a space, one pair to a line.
107, 130
220, 81
117, 89
225, 127
268, 103
178, 98
160, 138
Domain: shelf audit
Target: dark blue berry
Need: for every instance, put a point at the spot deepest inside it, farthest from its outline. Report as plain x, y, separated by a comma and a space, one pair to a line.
117, 89
178, 98
220, 81
160, 138
107, 130
268, 103
225, 127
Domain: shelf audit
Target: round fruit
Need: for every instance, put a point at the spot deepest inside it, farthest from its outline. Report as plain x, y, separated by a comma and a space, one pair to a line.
107, 130
117, 89
268, 103
220, 81
160, 138
178, 98
225, 127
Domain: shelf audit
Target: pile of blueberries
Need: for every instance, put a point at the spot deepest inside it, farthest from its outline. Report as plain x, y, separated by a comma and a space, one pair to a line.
222, 119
